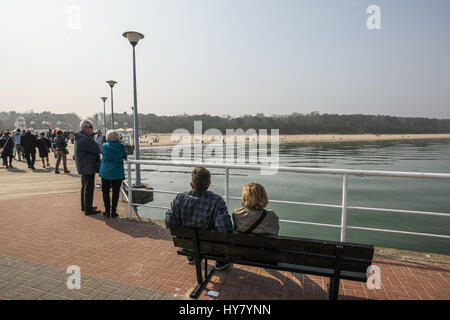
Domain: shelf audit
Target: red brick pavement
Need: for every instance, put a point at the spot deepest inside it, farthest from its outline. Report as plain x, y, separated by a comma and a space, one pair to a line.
53, 231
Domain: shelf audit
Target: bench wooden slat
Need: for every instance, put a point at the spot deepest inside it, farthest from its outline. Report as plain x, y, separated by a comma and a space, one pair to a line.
336, 260
279, 242
348, 275
267, 255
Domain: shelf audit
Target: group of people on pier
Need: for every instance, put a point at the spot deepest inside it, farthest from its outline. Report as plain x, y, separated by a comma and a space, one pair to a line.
104, 155
23, 144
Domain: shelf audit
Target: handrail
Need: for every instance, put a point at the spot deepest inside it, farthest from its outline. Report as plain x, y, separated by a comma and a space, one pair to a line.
360, 173
343, 206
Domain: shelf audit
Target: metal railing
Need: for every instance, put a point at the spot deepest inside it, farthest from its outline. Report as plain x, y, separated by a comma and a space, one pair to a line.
345, 173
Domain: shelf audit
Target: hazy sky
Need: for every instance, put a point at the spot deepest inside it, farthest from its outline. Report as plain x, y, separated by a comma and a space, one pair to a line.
227, 56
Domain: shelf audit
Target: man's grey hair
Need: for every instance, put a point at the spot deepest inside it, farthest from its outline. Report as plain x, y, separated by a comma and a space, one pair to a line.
112, 135
85, 123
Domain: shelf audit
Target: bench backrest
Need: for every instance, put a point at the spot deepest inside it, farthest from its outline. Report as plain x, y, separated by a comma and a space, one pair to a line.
276, 249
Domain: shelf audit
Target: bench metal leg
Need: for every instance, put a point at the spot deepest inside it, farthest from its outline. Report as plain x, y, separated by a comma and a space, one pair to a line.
333, 291
201, 283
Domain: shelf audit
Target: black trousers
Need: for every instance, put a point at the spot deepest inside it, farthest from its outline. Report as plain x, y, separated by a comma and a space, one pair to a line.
31, 158
106, 186
87, 191
5, 159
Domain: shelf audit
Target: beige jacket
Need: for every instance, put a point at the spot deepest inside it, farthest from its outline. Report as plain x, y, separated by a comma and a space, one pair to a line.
244, 218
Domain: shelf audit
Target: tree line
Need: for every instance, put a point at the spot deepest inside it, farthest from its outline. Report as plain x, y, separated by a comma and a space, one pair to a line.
295, 123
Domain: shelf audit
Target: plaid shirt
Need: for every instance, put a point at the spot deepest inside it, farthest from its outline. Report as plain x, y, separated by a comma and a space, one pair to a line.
199, 210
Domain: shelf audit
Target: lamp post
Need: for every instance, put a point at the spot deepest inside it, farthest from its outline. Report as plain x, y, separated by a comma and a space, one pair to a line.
104, 113
134, 38
111, 84
132, 125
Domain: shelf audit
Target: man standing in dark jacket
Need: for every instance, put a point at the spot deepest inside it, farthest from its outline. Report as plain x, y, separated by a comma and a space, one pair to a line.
87, 158
61, 147
29, 144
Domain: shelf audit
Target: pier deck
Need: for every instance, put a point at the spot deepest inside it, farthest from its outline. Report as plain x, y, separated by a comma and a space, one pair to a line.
43, 231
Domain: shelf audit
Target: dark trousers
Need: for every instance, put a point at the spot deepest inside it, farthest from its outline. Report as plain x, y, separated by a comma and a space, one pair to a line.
31, 158
106, 186
5, 160
87, 191
61, 155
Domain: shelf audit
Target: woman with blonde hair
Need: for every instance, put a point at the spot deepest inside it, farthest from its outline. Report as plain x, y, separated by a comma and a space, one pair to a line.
112, 171
252, 217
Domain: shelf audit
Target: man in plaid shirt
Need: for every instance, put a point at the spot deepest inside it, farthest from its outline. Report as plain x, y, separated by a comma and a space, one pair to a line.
200, 209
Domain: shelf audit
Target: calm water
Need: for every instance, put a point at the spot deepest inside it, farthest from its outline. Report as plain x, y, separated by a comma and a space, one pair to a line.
392, 193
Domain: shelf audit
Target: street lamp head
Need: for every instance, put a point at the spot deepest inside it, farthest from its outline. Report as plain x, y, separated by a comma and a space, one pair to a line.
133, 37
111, 83
104, 98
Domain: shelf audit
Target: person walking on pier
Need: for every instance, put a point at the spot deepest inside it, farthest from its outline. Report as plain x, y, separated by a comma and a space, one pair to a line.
200, 209
7, 145
17, 147
87, 159
61, 151
44, 145
29, 144
111, 171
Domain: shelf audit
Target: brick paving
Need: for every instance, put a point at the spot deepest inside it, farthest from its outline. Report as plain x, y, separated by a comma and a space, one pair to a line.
41, 236
25, 280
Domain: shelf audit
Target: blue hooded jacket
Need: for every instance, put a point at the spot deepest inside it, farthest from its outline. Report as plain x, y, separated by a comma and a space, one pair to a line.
111, 167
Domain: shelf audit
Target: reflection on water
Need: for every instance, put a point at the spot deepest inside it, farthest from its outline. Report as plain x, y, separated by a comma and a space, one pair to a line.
412, 194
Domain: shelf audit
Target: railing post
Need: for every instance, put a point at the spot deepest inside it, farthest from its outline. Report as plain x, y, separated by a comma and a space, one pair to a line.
344, 208
130, 195
227, 186
121, 192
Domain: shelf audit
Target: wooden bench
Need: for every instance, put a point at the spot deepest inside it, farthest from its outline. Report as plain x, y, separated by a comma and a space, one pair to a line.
336, 260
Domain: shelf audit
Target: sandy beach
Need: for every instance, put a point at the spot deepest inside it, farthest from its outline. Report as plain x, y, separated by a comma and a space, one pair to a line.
166, 139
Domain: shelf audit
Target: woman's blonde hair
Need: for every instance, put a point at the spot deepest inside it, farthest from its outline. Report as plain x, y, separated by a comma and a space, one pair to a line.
254, 196
112, 135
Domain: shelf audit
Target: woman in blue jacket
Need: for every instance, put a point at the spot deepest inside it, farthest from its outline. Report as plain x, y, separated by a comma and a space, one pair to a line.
111, 171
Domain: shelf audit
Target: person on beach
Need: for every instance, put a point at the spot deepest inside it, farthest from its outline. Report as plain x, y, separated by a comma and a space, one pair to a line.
29, 144
17, 147
200, 209
61, 151
8, 147
44, 145
111, 171
252, 217
87, 159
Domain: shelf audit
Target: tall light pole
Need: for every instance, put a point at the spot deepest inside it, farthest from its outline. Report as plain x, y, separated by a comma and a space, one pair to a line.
111, 84
132, 124
104, 113
134, 38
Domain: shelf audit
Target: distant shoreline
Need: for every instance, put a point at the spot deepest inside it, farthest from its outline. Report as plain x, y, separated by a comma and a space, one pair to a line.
165, 139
